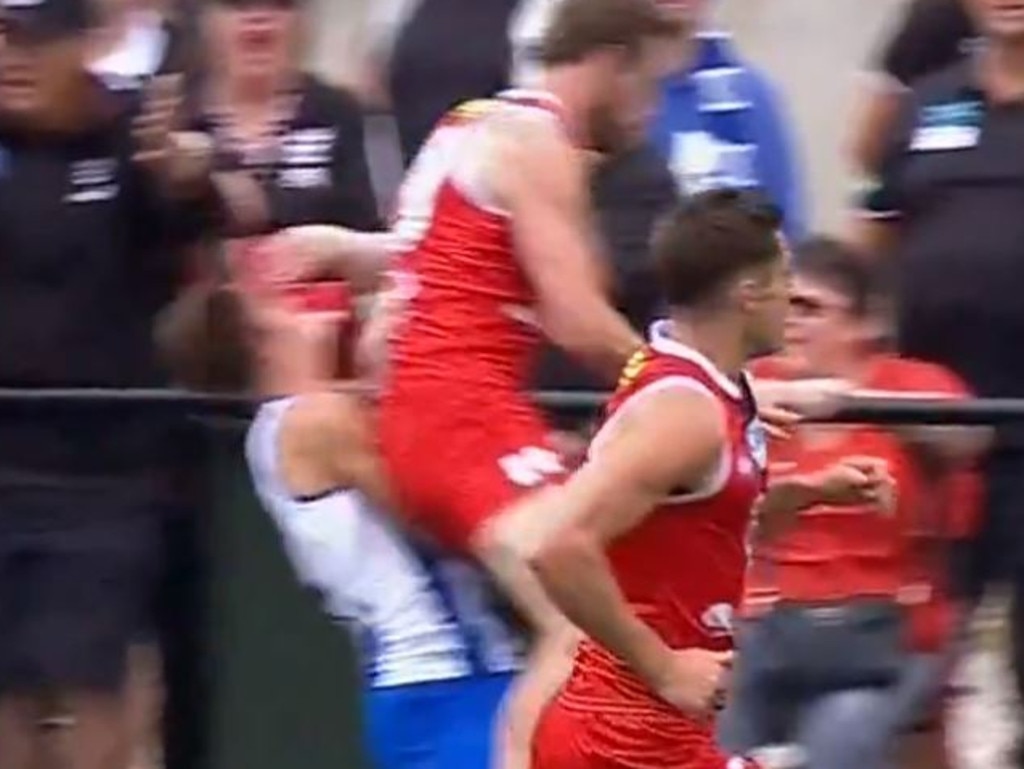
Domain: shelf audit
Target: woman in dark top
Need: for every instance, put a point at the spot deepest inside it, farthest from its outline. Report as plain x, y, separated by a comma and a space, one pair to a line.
292, 144
931, 35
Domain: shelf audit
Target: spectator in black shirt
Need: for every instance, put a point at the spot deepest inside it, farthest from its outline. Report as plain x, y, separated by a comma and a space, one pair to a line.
429, 55
931, 35
290, 146
84, 266
947, 212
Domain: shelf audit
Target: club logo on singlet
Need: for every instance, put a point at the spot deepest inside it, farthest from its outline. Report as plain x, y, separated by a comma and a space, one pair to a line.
718, 620
473, 109
757, 443
634, 366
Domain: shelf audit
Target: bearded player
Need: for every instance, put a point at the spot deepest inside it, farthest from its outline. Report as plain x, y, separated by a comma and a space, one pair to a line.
645, 548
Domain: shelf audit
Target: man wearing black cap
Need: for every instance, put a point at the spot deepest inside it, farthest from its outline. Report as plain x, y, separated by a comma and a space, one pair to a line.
87, 232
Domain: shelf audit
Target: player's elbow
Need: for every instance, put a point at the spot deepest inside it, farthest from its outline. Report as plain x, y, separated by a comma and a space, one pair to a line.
561, 555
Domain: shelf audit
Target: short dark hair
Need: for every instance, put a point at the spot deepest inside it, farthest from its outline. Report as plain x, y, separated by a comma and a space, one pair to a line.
858, 278
582, 27
710, 238
204, 340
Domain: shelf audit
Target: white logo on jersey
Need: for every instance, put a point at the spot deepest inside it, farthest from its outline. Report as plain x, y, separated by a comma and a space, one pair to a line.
531, 466
718, 620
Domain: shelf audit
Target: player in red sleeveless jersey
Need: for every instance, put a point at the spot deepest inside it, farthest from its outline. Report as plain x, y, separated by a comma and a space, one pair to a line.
645, 548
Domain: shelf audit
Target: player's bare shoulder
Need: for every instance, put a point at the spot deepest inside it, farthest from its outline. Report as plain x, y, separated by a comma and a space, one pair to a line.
523, 145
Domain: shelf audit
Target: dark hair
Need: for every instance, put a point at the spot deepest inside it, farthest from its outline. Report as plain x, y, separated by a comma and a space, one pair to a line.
710, 238
203, 339
582, 27
860, 280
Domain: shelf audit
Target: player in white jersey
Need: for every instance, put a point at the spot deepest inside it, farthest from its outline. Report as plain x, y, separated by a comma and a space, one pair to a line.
438, 656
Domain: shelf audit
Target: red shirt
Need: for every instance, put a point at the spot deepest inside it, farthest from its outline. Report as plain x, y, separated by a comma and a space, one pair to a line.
468, 327
682, 568
834, 554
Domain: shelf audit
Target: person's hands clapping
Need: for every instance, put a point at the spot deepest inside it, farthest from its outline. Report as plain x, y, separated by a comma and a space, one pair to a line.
855, 481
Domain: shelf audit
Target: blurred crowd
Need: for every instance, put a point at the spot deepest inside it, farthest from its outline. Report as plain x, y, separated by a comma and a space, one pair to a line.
149, 144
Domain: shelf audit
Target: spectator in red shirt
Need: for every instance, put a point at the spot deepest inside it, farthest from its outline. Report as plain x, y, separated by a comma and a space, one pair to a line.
847, 615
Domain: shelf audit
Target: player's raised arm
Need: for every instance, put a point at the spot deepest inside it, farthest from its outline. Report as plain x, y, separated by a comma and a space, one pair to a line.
325, 250
540, 179
669, 440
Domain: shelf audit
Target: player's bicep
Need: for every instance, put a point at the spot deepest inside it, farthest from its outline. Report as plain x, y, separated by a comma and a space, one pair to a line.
672, 440
541, 183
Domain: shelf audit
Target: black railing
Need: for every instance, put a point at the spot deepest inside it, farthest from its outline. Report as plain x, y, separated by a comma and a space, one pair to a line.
852, 410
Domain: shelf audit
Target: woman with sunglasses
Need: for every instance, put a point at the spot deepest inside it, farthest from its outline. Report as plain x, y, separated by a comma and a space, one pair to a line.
849, 614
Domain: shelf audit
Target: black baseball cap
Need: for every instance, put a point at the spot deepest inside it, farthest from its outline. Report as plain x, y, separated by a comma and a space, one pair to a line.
44, 20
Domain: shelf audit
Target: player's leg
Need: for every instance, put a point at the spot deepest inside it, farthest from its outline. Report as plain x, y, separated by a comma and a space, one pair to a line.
498, 502
470, 484
546, 671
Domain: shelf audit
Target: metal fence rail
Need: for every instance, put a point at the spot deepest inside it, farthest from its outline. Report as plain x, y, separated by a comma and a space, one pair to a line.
854, 410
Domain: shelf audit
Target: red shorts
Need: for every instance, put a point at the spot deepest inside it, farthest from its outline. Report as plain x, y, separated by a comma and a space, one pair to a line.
455, 465
575, 739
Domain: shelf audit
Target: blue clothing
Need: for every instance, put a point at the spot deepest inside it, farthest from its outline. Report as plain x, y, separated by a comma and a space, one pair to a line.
438, 725
720, 124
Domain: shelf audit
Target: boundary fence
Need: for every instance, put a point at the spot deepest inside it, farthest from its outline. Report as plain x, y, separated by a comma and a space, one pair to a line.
275, 684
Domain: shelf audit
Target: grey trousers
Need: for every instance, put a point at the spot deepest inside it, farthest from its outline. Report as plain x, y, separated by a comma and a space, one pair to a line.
849, 729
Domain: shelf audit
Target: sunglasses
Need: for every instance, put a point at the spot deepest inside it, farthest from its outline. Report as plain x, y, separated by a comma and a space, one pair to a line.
806, 305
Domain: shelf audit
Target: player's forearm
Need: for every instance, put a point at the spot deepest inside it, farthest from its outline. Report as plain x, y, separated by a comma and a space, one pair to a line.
576, 574
361, 258
784, 500
595, 334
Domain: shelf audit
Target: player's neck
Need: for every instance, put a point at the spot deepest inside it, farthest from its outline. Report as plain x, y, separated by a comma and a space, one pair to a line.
568, 84
717, 339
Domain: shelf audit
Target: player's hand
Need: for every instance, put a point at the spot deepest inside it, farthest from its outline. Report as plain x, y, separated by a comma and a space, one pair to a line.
696, 680
779, 421
857, 481
782, 404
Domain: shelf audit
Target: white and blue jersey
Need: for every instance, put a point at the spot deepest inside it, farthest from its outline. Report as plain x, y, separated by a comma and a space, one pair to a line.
434, 647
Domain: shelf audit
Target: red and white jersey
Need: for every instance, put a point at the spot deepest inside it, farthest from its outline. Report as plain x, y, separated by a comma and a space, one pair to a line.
682, 569
466, 319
